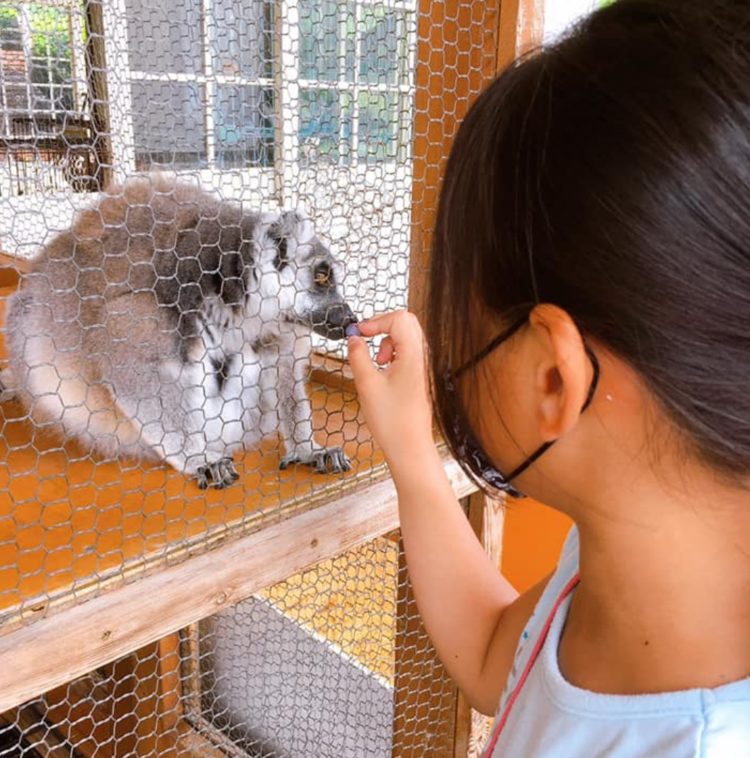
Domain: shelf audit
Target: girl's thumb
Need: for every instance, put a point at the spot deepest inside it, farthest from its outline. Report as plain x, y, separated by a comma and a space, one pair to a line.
359, 359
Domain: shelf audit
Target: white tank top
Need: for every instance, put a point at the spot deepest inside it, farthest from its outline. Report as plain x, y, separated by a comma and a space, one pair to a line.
541, 715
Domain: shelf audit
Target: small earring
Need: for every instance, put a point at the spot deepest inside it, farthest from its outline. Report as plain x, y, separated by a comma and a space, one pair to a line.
609, 398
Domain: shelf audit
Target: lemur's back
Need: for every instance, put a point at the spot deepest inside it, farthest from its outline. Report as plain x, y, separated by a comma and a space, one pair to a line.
90, 289
123, 243
132, 331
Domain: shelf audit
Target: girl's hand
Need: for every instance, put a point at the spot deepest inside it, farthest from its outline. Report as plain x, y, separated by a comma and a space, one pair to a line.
395, 399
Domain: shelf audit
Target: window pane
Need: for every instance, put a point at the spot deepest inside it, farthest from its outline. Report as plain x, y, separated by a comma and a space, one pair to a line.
242, 38
168, 124
16, 98
319, 39
243, 119
50, 41
379, 61
351, 42
164, 36
325, 125
50, 58
47, 65
12, 62
10, 30
378, 126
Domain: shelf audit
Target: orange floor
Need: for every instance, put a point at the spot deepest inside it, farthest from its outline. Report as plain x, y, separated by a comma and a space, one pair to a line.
69, 521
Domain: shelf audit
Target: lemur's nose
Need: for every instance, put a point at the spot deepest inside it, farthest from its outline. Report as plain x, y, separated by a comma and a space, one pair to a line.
339, 316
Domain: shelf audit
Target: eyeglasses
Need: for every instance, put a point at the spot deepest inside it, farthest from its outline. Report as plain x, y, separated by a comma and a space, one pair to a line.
469, 452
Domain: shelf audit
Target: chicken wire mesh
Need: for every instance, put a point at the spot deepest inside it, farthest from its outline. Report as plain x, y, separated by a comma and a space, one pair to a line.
306, 668
201, 197
256, 162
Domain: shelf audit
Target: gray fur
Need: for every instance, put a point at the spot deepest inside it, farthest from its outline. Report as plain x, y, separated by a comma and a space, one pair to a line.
169, 324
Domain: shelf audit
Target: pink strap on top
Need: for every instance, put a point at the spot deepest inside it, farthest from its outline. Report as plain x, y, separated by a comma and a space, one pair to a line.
500, 724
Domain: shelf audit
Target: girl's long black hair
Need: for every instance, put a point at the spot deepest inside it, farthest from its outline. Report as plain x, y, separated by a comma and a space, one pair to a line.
609, 174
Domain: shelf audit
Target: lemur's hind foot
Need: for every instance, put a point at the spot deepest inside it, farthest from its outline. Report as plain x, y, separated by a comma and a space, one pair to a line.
7, 385
218, 475
329, 460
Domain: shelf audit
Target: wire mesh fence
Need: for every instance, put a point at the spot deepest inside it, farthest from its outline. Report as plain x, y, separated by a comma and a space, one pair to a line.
258, 201
201, 198
306, 668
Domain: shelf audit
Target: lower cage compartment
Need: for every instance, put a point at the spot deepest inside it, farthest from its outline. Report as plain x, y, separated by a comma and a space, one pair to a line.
330, 663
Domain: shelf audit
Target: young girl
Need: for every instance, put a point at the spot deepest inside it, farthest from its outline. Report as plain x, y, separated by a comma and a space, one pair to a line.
589, 344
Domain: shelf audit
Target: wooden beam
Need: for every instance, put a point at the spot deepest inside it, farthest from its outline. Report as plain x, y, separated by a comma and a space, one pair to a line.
486, 518
74, 640
96, 72
521, 29
456, 58
424, 695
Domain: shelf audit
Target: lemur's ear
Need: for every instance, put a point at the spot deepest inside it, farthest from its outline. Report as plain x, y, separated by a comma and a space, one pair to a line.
280, 232
289, 226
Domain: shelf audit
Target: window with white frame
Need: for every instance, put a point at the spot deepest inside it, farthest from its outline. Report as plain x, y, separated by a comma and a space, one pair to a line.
354, 78
210, 81
39, 58
201, 79
282, 103
47, 134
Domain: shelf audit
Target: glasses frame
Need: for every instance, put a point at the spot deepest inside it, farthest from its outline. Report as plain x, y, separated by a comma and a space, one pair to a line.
476, 462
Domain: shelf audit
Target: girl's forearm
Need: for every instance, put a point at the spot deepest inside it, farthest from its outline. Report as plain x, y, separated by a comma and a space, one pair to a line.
460, 593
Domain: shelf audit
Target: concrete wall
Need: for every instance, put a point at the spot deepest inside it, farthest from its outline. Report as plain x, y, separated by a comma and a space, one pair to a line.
284, 691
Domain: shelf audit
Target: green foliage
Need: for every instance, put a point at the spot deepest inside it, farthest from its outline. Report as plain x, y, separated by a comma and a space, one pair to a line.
10, 31
50, 32
50, 29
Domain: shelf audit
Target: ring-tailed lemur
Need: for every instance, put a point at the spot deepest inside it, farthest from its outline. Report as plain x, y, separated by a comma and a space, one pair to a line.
168, 323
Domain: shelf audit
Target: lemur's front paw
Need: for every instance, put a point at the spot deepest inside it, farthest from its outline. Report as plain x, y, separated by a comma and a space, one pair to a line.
326, 460
219, 474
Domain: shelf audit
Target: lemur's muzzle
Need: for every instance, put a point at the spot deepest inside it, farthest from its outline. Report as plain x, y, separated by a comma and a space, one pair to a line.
332, 320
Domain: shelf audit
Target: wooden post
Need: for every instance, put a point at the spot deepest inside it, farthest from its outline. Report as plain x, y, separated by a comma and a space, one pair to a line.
96, 65
456, 57
486, 518
424, 695
521, 29
461, 46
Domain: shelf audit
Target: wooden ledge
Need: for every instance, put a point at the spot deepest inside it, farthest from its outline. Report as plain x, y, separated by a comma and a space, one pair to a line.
74, 640
71, 526
11, 270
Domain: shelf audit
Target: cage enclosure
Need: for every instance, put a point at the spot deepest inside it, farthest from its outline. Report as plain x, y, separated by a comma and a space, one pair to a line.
199, 549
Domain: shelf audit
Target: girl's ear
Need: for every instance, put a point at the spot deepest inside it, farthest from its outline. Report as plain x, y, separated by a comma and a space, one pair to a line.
563, 370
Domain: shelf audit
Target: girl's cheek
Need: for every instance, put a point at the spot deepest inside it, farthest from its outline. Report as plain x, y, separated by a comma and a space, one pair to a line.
505, 417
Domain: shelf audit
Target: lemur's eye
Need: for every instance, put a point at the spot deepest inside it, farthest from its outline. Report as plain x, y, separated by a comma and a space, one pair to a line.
323, 275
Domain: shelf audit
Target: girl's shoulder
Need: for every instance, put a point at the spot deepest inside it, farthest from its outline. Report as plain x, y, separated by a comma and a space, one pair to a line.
567, 569
559, 719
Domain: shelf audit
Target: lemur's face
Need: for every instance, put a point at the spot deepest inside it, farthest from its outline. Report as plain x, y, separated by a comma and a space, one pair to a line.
299, 271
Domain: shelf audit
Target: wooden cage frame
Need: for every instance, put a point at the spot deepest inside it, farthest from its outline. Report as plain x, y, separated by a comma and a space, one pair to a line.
38, 656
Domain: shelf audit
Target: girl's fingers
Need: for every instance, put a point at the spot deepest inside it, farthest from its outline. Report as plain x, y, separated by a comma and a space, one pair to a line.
385, 354
398, 324
381, 324
360, 361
